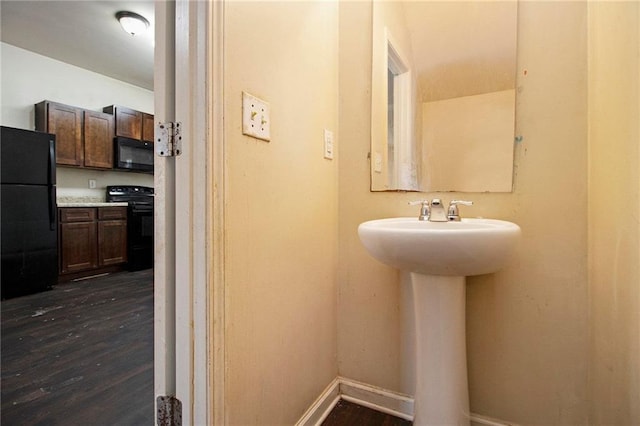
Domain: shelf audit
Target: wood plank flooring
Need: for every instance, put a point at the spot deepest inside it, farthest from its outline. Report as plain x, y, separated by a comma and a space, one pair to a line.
80, 354
348, 414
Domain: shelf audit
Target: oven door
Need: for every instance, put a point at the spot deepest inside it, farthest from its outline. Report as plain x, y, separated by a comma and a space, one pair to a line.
134, 155
140, 236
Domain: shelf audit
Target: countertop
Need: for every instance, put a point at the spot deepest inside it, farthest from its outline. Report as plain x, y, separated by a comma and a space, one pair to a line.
85, 201
90, 204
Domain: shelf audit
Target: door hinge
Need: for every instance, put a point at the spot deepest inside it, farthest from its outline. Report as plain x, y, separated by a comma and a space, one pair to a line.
169, 411
168, 139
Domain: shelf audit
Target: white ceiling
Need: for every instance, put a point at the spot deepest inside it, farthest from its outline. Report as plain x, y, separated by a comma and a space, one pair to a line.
83, 33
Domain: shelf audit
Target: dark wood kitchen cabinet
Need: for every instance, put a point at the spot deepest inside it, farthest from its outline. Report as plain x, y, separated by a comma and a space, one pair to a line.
98, 140
132, 124
148, 127
78, 239
83, 138
66, 123
91, 239
112, 235
128, 122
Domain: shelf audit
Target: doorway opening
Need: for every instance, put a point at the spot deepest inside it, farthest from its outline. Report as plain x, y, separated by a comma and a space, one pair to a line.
82, 352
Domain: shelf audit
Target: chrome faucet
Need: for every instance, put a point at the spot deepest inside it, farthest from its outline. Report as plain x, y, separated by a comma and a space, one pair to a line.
434, 211
424, 209
437, 211
453, 215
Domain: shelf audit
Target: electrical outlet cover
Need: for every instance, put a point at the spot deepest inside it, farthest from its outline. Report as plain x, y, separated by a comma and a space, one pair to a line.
256, 119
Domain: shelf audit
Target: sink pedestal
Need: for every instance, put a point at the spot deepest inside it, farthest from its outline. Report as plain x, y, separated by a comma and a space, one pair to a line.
441, 392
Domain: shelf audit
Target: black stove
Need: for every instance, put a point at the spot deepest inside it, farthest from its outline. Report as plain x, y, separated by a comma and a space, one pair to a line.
130, 194
139, 223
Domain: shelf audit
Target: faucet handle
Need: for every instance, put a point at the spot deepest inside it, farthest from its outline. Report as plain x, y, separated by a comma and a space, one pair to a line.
461, 202
424, 210
453, 214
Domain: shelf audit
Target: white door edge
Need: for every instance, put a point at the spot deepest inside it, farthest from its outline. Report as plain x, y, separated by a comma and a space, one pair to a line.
191, 212
189, 281
216, 177
164, 208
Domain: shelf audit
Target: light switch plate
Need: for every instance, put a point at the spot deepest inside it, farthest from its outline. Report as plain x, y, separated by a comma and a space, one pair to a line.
256, 117
377, 162
328, 144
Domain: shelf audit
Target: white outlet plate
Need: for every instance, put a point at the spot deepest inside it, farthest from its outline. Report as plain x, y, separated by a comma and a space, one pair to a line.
328, 144
256, 117
92, 183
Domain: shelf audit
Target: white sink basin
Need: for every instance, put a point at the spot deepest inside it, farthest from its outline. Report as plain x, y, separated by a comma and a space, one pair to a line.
468, 247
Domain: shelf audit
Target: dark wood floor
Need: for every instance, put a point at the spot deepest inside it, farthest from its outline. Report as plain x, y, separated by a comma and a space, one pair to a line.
80, 354
348, 414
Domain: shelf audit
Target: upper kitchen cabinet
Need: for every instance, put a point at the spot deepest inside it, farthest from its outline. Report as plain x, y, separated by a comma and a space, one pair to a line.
131, 124
66, 123
98, 139
147, 127
128, 121
83, 138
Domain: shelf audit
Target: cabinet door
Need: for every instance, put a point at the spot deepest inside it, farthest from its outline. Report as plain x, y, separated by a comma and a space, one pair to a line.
112, 242
98, 140
147, 127
78, 247
128, 123
66, 123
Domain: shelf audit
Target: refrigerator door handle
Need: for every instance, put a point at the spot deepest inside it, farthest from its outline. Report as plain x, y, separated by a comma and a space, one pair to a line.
52, 186
52, 207
52, 162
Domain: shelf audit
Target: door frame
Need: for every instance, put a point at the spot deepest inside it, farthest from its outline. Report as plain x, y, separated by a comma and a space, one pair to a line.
189, 211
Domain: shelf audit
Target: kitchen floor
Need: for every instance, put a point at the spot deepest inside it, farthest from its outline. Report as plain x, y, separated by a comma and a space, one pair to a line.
80, 354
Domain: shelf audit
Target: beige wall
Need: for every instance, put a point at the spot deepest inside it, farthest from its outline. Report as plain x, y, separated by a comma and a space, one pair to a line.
527, 325
281, 213
614, 212
368, 305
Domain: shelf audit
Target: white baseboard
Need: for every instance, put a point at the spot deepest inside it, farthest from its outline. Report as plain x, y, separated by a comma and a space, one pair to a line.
478, 420
359, 393
322, 406
379, 399
394, 403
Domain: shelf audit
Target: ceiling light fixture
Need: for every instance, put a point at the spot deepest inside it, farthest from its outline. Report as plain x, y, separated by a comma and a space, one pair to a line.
132, 23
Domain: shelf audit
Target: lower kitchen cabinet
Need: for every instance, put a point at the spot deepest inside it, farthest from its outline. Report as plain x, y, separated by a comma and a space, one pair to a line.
112, 236
79, 251
92, 238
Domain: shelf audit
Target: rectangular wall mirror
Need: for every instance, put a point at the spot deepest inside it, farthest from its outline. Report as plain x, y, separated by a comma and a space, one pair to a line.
443, 95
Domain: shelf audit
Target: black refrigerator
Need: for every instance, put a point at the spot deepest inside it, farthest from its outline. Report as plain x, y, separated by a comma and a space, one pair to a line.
28, 214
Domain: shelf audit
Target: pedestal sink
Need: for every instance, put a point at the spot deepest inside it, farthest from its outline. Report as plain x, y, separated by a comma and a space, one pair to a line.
438, 256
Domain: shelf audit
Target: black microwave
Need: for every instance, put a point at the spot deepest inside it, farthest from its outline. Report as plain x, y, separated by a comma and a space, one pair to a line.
133, 155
